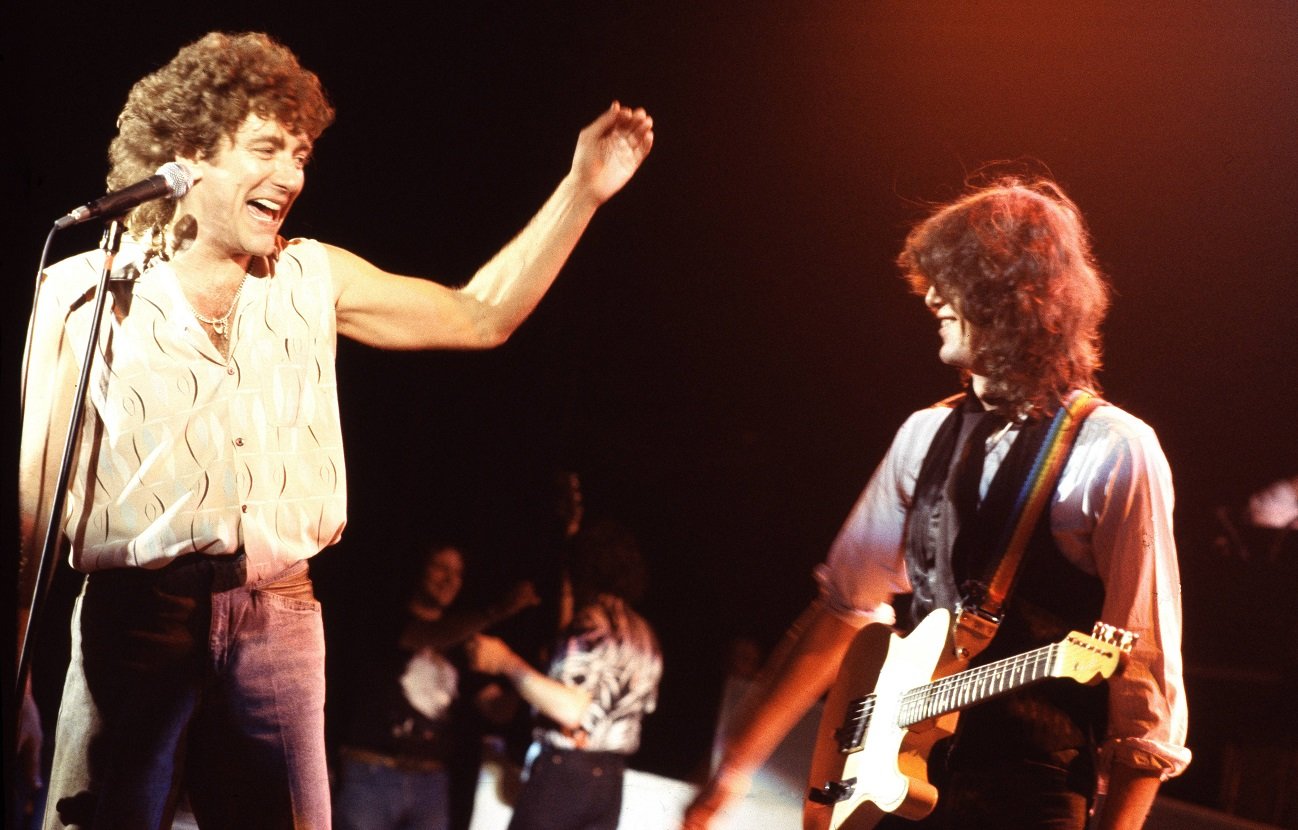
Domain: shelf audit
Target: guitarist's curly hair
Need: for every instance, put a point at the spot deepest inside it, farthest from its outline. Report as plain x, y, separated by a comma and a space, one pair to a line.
1014, 258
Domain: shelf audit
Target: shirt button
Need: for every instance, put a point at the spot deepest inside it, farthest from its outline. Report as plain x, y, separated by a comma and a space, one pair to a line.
243, 508
229, 370
238, 442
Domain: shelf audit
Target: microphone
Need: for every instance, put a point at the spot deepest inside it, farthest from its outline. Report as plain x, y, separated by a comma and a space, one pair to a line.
172, 181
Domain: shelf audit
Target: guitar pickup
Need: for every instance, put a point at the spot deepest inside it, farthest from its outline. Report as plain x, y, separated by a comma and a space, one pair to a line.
849, 738
833, 791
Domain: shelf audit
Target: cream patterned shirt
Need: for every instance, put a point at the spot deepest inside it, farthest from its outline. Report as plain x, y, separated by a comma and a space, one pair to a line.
182, 450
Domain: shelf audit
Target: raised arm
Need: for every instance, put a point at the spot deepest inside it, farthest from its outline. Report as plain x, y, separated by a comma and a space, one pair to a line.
395, 312
458, 625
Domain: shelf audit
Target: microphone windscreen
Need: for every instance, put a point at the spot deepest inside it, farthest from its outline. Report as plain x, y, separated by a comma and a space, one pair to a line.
178, 177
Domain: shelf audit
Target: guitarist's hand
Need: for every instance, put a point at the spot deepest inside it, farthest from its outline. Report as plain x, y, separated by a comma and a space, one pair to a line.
722, 790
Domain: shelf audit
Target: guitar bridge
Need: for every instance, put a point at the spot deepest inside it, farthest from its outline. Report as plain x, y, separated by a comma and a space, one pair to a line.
852, 731
833, 792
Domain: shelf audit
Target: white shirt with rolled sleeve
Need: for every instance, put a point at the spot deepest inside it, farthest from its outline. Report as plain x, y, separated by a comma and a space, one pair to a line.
1111, 516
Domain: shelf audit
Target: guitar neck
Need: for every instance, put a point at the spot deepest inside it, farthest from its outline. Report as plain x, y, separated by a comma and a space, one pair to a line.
971, 686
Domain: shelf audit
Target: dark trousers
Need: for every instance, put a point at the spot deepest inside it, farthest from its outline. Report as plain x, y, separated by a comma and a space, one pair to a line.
571, 790
998, 796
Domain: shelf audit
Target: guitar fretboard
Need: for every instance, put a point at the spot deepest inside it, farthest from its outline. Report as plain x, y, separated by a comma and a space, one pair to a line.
950, 693
976, 685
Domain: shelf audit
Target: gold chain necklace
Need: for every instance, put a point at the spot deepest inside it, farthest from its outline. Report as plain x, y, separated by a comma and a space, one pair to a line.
220, 325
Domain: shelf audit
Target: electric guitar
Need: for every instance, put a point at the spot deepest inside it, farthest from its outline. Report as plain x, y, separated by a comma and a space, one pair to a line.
895, 697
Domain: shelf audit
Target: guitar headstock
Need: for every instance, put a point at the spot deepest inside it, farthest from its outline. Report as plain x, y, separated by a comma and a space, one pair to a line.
1119, 638
1088, 659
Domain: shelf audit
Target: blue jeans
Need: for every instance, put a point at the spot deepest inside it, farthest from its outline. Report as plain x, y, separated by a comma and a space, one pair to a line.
178, 680
379, 797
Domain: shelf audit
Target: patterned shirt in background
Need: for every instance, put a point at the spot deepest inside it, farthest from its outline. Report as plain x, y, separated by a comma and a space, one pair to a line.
611, 653
183, 450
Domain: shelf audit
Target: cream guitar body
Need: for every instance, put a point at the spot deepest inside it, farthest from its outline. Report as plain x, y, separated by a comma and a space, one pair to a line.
895, 697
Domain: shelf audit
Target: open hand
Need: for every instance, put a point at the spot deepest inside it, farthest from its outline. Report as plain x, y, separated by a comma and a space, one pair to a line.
611, 148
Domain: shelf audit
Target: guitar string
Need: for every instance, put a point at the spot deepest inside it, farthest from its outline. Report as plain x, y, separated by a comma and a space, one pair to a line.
941, 692
971, 686
965, 687
937, 696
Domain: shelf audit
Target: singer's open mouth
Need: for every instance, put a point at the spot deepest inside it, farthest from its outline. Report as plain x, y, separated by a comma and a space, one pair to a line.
267, 210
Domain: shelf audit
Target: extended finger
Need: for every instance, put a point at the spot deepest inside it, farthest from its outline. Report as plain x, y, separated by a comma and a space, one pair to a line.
606, 119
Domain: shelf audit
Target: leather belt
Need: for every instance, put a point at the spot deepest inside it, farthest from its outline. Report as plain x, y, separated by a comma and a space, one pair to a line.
191, 575
406, 764
196, 573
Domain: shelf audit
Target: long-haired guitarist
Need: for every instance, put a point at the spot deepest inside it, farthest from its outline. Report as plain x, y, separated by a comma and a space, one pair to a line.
1008, 273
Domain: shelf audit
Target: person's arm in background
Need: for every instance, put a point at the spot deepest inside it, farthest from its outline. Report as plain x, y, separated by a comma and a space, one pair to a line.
456, 626
561, 703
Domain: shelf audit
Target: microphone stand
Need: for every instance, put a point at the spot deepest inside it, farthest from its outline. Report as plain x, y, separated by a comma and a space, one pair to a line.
110, 245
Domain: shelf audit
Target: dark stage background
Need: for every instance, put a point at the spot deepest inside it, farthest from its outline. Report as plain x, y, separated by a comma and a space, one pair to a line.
729, 350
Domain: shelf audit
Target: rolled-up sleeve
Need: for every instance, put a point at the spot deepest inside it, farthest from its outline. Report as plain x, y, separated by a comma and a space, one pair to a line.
1130, 492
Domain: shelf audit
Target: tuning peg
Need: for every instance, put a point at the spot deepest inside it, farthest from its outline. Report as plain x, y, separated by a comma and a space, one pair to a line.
1119, 638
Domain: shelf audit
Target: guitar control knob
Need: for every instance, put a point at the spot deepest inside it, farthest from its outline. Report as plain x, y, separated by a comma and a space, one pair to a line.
833, 791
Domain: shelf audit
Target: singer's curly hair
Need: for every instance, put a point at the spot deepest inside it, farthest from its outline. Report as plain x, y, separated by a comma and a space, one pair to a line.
1014, 258
203, 95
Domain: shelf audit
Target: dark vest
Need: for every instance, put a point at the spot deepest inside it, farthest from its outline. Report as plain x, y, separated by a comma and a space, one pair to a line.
1058, 722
